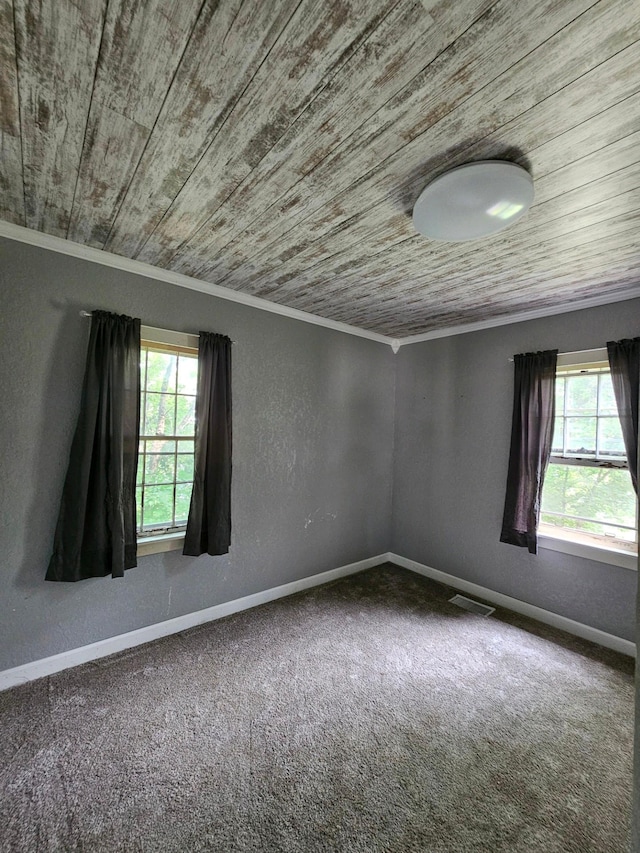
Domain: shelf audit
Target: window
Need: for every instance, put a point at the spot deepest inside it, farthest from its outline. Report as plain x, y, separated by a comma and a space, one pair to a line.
588, 495
168, 379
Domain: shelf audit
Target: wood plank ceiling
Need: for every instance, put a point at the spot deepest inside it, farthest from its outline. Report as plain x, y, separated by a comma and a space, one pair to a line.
277, 147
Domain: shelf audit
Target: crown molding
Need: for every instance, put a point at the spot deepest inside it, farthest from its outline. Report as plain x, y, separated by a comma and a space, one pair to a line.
632, 292
108, 259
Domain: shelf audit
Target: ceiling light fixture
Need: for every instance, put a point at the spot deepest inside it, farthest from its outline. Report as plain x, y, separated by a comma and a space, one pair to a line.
474, 200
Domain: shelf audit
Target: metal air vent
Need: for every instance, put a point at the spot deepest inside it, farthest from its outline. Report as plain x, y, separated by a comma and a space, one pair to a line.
472, 606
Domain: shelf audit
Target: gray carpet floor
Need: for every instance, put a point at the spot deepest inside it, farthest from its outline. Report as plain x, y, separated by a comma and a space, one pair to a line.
366, 715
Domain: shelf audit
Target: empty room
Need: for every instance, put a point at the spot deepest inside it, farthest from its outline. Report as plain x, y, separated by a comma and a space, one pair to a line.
319, 360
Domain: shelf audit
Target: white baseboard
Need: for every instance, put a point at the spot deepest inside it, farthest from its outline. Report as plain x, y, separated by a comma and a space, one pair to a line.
103, 648
586, 632
75, 657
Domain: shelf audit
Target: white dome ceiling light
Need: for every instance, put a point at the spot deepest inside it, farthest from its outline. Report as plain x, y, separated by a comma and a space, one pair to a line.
473, 201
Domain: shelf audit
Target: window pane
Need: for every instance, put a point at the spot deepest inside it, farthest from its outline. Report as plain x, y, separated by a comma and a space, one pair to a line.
183, 498
582, 394
595, 494
143, 409
138, 507
606, 399
557, 445
187, 374
162, 461
594, 528
559, 395
185, 421
159, 468
158, 506
160, 414
185, 467
161, 371
610, 441
581, 435
160, 445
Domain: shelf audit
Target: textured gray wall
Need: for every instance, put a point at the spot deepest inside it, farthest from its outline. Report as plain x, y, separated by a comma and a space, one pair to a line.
453, 423
313, 443
313, 456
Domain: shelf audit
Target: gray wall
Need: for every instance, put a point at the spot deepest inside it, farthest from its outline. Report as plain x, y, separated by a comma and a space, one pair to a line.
314, 450
313, 443
453, 421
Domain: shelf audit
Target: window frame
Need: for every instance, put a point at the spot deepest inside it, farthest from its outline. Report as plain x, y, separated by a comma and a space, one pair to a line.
172, 540
579, 543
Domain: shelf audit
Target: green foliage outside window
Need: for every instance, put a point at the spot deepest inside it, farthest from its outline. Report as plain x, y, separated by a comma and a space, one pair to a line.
600, 495
591, 497
167, 417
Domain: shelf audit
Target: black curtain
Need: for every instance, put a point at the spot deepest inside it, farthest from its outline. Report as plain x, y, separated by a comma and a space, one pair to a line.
96, 531
209, 524
624, 361
531, 433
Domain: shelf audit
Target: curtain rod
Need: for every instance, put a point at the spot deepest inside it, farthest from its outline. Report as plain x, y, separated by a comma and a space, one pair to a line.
89, 314
575, 352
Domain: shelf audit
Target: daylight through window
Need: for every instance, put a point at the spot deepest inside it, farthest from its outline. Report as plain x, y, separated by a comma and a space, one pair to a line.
587, 487
167, 424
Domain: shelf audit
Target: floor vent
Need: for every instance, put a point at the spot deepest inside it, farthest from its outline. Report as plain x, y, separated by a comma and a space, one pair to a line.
472, 606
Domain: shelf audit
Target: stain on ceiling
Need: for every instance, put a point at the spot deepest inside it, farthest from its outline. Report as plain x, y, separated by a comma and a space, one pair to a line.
276, 147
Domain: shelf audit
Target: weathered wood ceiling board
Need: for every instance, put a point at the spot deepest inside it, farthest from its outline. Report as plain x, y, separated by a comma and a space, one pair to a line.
277, 148
11, 187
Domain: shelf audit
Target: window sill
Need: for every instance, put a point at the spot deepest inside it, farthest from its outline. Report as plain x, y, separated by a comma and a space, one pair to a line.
160, 544
581, 547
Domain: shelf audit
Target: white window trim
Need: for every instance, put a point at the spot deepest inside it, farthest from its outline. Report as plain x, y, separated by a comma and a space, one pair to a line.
579, 544
168, 336
160, 544
584, 358
164, 542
